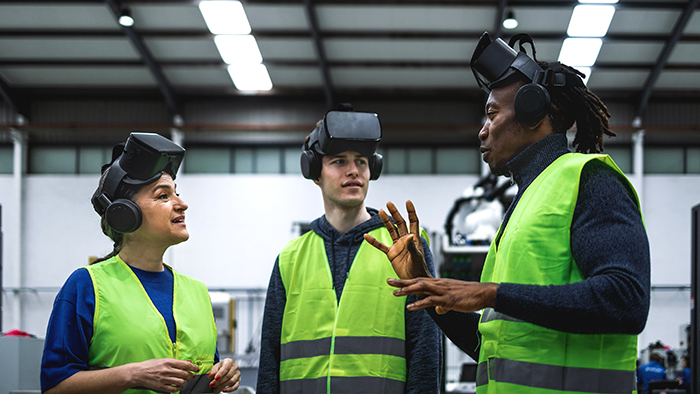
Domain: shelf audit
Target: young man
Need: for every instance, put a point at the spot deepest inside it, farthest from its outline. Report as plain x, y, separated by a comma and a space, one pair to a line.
331, 324
565, 285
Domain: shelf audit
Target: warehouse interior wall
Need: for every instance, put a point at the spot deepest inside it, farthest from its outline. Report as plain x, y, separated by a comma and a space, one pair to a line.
238, 224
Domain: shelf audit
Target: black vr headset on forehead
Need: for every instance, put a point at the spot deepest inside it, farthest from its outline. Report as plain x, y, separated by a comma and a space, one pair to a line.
496, 64
341, 131
140, 161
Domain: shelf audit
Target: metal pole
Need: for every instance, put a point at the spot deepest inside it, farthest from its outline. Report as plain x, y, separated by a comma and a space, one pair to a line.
693, 347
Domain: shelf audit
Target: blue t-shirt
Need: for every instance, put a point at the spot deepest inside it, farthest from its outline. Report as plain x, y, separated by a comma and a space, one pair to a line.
69, 332
648, 372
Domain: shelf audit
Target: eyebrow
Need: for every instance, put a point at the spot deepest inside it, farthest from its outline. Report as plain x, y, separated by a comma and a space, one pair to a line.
162, 186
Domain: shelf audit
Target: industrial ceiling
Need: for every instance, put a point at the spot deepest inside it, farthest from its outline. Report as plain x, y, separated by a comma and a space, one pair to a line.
326, 48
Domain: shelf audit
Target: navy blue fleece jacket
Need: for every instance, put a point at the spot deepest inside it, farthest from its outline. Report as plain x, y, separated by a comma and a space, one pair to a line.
423, 338
608, 243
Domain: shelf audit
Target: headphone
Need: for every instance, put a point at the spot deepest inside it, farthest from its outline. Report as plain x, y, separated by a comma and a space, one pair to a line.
122, 214
311, 164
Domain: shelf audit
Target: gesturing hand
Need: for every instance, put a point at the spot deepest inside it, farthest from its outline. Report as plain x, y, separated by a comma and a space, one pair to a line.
447, 294
406, 253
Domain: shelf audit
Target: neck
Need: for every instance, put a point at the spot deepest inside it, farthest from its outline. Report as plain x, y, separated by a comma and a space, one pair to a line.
147, 258
345, 219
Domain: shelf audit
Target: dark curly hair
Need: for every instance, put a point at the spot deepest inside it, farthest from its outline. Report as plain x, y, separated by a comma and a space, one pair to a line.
577, 104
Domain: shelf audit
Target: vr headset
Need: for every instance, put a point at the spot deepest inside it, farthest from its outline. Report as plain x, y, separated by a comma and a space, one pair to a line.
341, 131
496, 64
140, 161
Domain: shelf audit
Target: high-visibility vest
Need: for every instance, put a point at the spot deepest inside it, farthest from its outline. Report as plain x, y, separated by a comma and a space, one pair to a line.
127, 327
356, 345
535, 248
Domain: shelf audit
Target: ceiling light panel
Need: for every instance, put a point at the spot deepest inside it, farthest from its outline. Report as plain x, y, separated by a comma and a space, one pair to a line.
250, 76
580, 52
225, 17
235, 49
590, 20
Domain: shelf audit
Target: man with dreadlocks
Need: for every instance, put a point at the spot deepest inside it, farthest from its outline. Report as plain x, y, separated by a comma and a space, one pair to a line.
565, 285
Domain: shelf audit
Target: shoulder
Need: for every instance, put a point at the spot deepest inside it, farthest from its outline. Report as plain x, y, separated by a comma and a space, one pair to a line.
600, 178
77, 283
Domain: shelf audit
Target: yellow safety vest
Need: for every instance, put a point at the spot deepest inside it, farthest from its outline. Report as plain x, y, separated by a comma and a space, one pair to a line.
535, 248
128, 328
356, 345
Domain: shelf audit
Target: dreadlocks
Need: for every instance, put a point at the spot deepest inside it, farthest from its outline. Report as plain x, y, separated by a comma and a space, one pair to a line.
578, 104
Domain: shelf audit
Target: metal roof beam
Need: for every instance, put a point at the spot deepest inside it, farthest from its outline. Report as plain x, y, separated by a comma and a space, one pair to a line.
663, 57
162, 81
320, 53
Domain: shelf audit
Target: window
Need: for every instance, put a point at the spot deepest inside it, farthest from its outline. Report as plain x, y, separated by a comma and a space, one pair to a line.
6, 159
663, 160
53, 160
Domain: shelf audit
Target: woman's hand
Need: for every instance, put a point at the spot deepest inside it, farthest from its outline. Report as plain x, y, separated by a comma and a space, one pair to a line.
406, 253
225, 376
162, 374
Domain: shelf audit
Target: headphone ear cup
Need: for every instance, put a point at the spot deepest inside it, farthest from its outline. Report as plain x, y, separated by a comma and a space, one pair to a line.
532, 104
310, 165
124, 216
375, 168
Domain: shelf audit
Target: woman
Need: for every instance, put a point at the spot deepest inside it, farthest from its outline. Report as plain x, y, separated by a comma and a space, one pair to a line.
128, 323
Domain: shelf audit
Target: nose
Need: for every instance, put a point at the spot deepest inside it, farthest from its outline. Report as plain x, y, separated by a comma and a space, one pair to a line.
352, 168
180, 204
484, 132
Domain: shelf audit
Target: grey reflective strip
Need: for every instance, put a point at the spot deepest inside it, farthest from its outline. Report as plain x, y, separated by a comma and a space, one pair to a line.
482, 374
303, 349
304, 386
370, 345
366, 385
343, 385
553, 377
490, 315
344, 345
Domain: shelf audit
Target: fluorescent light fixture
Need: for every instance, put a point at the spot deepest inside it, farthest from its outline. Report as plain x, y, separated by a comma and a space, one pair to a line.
580, 52
586, 71
598, 1
250, 76
126, 20
590, 20
225, 17
510, 22
236, 49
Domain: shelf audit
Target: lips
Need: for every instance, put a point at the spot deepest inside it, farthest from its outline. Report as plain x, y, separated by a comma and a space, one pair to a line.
179, 219
352, 184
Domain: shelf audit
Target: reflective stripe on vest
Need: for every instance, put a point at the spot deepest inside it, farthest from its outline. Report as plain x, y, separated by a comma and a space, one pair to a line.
358, 343
534, 248
128, 328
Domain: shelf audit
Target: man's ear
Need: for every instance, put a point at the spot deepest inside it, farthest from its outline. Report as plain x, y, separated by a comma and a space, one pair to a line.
317, 181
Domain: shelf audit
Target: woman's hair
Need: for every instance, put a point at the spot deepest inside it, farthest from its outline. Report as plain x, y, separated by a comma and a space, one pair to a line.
576, 104
123, 191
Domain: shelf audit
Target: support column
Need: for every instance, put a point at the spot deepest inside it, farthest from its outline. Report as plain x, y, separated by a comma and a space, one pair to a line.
19, 140
638, 163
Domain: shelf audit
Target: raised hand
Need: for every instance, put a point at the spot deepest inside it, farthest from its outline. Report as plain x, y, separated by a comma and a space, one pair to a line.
406, 252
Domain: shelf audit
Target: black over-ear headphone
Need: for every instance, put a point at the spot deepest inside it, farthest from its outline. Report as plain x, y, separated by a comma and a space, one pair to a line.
122, 214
